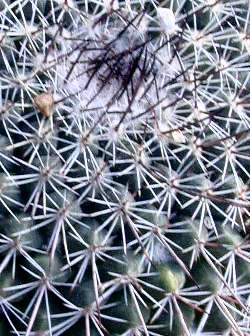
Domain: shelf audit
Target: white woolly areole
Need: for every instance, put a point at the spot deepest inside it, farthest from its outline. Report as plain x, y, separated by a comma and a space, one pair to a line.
93, 94
111, 5
160, 254
167, 20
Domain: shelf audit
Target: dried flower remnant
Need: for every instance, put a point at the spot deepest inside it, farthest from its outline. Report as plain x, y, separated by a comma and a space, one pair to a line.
45, 103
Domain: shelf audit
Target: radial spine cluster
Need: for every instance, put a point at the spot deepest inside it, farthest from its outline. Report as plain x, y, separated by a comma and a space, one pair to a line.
124, 167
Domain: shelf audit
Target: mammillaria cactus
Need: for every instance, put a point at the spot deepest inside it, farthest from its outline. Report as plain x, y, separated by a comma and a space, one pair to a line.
124, 167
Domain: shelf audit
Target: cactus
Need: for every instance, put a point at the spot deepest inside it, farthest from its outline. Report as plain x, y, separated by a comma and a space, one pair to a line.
124, 167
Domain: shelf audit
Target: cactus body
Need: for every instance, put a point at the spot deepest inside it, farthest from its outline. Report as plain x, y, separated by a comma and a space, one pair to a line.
124, 167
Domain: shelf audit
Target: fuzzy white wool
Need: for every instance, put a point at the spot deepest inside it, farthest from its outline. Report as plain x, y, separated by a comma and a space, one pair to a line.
167, 20
95, 95
111, 5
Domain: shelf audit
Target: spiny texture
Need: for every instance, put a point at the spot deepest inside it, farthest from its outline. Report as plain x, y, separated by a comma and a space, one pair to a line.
124, 167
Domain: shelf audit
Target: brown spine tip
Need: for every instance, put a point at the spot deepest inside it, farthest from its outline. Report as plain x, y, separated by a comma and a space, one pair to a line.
45, 103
